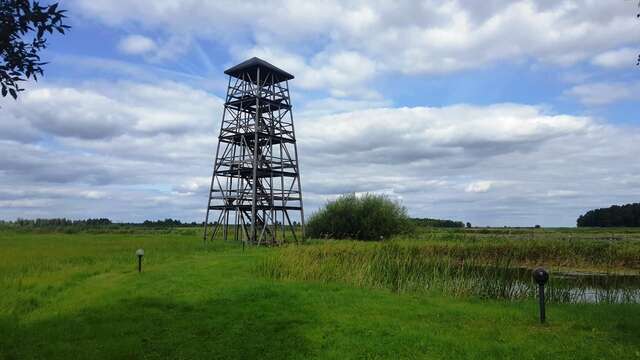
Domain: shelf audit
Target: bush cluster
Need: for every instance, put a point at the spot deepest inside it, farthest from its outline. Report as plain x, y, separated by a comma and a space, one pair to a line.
365, 217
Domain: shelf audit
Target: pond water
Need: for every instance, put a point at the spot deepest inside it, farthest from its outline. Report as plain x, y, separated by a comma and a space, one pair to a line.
598, 287
579, 287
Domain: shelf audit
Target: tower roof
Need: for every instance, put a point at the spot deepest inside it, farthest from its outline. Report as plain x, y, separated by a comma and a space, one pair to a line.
252, 65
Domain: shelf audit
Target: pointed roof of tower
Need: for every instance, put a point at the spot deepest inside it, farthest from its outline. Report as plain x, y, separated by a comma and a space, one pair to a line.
252, 65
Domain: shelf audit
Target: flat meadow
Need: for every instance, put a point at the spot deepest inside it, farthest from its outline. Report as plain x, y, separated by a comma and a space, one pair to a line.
437, 294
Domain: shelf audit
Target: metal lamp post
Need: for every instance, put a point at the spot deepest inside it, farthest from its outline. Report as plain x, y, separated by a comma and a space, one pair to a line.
140, 254
541, 276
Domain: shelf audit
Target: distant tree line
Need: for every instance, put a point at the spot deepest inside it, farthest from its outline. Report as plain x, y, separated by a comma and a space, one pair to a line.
163, 223
438, 223
98, 222
625, 215
57, 222
103, 222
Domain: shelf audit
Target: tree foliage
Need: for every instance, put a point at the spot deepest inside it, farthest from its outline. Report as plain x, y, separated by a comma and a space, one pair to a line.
366, 217
625, 215
23, 26
438, 223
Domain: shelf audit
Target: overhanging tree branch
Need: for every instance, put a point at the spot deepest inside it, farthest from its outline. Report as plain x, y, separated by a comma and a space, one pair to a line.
23, 26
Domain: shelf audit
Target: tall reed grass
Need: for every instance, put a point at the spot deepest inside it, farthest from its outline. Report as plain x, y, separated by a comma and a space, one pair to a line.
493, 272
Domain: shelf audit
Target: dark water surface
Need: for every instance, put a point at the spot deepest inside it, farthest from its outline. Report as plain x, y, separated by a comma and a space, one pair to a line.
578, 287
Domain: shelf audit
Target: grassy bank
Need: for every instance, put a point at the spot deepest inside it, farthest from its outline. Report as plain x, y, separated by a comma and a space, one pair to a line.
80, 296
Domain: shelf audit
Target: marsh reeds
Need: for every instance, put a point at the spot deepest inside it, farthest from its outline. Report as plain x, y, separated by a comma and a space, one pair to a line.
458, 269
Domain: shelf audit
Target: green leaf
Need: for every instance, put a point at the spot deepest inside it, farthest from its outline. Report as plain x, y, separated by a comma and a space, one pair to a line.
13, 94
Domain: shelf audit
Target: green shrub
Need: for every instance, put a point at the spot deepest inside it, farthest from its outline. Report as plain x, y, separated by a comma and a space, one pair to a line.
366, 217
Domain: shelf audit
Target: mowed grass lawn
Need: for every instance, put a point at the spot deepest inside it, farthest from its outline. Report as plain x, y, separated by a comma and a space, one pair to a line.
69, 296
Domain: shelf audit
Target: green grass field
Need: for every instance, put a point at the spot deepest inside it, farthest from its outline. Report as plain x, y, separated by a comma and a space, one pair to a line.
66, 296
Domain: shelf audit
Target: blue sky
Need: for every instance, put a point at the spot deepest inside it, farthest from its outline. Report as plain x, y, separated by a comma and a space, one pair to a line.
500, 113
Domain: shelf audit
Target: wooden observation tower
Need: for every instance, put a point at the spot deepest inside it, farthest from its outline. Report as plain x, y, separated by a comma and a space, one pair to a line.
255, 188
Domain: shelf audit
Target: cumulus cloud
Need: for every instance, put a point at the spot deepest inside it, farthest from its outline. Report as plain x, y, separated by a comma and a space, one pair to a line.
143, 148
435, 134
96, 142
342, 73
618, 58
497, 164
167, 49
479, 186
72, 112
439, 160
96, 111
136, 45
429, 37
344, 47
604, 93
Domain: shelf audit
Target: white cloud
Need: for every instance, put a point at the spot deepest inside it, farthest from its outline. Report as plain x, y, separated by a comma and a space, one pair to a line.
167, 49
479, 186
108, 110
342, 73
24, 203
93, 194
434, 36
344, 47
72, 112
433, 156
604, 93
132, 150
563, 193
522, 164
194, 185
619, 58
435, 133
136, 45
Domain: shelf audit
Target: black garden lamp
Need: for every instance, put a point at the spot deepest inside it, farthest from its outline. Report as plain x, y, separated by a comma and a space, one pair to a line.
140, 254
541, 276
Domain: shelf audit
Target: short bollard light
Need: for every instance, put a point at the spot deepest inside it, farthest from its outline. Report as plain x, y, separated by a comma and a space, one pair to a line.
140, 254
541, 276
